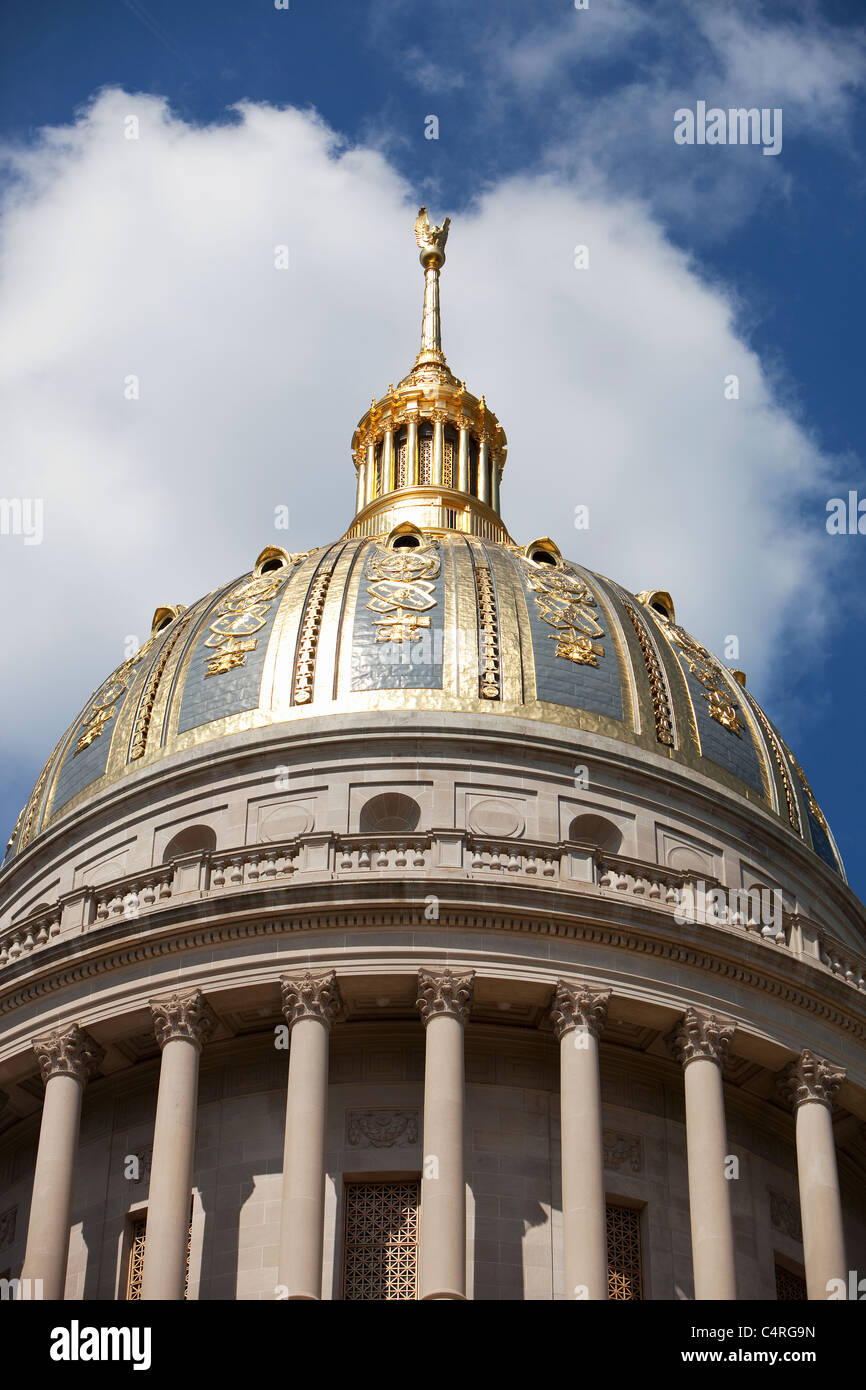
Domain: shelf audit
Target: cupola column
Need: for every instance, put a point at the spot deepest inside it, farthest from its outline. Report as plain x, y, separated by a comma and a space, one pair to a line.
444, 1001
370, 473
438, 450
67, 1058
810, 1084
362, 484
183, 1023
412, 451
311, 1003
578, 1015
494, 485
388, 461
463, 460
700, 1043
483, 471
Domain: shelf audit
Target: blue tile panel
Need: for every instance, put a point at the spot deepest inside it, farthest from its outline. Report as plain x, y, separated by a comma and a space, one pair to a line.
206, 698
561, 681
821, 843
79, 769
410, 664
736, 754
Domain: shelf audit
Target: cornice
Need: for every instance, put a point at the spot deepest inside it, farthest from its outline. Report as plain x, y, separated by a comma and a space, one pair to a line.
759, 972
644, 766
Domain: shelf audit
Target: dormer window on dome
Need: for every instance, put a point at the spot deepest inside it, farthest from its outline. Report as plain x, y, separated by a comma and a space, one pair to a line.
272, 558
429, 449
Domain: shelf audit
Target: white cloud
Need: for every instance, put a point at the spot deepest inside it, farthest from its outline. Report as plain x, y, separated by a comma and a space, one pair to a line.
156, 257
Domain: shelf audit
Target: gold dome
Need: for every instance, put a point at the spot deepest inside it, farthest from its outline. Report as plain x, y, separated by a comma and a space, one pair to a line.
426, 607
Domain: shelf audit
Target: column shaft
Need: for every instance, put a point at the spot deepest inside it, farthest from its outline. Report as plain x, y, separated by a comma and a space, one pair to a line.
584, 1221
438, 452
463, 461
370, 477
810, 1085
820, 1202
302, 1217
412, 452
48, 1232
443, 1195
709, 1189
444, 1001
67, 1057
483, 471
170, 1195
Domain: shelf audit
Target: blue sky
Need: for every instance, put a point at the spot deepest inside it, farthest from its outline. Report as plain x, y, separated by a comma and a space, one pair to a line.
531, 96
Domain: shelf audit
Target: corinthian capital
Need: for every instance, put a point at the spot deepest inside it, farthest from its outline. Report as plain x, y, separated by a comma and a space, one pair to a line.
68, 1052
187, 1016
311, 996
447, 993
577, 1006
701, 1037
810, 1078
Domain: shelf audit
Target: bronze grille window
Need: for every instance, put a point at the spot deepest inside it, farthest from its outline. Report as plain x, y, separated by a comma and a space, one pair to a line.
624, 1268
381, 1259
425, 457
135, 1263
448, 463
135, 1267
790, 1288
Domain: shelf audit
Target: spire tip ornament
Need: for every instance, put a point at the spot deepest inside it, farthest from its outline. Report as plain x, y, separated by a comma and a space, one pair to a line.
428, 452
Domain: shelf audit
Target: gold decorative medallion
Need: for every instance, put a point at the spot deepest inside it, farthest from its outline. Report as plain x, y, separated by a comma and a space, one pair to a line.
403, 589
565, 603
242, 612
104, 705
703, 667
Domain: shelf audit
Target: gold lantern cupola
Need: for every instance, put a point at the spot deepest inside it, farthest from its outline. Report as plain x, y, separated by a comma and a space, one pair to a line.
429, 454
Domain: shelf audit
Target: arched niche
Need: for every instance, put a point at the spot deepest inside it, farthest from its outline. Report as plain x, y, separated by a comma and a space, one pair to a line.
591, 829
389, 814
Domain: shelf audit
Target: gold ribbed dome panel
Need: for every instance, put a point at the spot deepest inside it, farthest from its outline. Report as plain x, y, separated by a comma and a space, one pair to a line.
449, 623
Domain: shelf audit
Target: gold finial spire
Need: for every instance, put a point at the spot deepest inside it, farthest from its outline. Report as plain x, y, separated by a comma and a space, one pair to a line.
429, 454
432, 243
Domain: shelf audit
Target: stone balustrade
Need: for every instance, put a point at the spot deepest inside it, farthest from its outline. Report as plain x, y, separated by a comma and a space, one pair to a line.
359, 852
36, 931
570, 866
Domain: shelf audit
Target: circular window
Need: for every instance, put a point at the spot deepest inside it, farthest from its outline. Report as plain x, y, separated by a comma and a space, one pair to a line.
494, 818
406, 543
543, 557
270, 565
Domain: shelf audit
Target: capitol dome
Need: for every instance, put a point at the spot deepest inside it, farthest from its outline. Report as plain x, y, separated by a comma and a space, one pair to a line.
445, 809
425, 604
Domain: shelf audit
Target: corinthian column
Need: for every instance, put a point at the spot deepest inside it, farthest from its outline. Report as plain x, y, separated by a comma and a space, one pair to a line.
311, 1003
67, 1057
182, 1023
810, 1084
700, 1043
444, 1001
578, 1015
